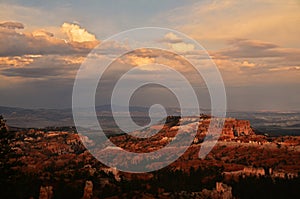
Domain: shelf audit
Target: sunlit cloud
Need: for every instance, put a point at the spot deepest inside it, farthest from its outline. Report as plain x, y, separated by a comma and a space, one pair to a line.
138, 61
76, 33
15, 61
42, 33
248, 64
45, 67
289, 68
214, 22
182, 47
171, 38
42, 42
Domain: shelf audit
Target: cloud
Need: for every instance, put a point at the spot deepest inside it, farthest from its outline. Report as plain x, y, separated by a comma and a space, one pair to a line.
43, 67
41, 42
213, 22
252, 62
77, 34
246, 48
289, 68
15, 61
17, 44
42, 33
182, 47
271, 71
12, 25
171, 38
30, 72
178, 44
138, 60
248, 64
254, 57
150, 56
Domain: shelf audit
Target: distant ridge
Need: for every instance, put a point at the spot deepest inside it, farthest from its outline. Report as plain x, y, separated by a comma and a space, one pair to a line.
272, 123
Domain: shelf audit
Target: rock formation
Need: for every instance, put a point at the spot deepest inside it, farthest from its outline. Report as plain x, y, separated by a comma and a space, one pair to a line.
254, 171
88, 190
224, 190
46, 192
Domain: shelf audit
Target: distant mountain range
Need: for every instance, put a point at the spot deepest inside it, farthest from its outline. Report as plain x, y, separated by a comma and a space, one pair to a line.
40, 118
273, 123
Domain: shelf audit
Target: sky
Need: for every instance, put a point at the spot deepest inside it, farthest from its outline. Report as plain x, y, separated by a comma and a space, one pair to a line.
255, 45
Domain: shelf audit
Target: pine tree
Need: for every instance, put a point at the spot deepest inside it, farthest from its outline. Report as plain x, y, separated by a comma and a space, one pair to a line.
3, 127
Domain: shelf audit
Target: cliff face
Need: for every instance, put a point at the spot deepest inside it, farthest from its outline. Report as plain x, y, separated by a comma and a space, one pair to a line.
234, 128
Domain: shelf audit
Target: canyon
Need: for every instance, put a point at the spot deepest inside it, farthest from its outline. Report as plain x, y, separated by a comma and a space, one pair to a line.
58, 162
